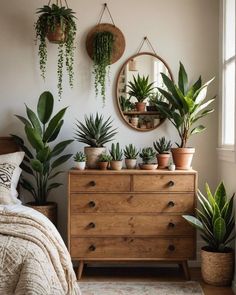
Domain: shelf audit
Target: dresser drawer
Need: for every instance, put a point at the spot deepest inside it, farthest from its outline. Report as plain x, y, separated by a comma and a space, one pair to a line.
164, 183
132, 202
131, 248
129, 225
99, 183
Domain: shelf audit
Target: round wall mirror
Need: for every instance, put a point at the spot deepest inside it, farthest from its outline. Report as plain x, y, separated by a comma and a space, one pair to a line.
137, 93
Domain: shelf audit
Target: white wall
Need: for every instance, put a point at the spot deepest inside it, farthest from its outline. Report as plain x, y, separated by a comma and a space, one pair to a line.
185, 30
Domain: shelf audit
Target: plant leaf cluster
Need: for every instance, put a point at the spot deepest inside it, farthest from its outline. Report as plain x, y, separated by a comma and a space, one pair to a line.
116, 152
79, 157
162, 146
131, 152
41, 130
147, 155
215, 220
125, 104
104, 158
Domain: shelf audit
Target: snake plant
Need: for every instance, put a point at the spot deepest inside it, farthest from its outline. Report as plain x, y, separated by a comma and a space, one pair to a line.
162, 146
116, 152
147, 155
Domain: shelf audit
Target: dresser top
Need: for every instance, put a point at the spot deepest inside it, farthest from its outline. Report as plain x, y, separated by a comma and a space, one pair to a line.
132, 172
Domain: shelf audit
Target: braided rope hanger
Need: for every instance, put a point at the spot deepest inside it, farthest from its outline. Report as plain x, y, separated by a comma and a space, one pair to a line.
105, 7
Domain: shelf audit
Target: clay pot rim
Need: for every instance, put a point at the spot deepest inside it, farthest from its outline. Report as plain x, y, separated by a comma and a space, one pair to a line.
116, 160
164, 154
188, 150
208, 250
130, 159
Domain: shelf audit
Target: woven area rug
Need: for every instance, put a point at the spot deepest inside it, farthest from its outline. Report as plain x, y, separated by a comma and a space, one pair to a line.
140, 288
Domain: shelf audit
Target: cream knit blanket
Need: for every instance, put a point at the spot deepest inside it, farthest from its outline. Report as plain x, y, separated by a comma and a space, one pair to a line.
33, 258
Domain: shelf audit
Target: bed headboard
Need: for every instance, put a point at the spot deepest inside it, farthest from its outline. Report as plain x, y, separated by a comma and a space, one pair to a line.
8, 145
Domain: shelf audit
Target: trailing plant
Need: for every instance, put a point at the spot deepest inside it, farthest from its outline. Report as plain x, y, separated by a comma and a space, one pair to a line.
131, 152
50, 17
79, 157
95, 131
125, 104
103, 43
162, 146
215, 220
116, 152
185, 104
104, 158
40, 161
140, 88
147, 155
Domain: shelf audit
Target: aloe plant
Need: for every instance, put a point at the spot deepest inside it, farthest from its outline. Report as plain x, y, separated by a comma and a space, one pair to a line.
131, 152
80, 157
96, 131
186, 104
147, 155
116, 152
215, 220
140, 88
162, 146
40, 161
104, 158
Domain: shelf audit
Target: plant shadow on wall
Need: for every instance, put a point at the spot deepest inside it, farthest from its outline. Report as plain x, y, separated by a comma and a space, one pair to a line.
57, 24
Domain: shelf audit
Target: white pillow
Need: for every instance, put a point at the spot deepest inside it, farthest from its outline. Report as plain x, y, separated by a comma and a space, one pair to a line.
9, 177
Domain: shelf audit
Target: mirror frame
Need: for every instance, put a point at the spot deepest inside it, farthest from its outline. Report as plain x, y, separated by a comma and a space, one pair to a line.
117, 96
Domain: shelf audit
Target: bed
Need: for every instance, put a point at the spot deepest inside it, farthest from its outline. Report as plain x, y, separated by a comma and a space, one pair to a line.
33, 257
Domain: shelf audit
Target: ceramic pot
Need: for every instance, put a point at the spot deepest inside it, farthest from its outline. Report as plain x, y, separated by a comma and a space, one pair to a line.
130, 163
140, 106
103, 165
57, 36
171, 167
134, 121
80, 165
116, 165
217, 268
182, 157
49, 210
163, 160
92, 155
151, 166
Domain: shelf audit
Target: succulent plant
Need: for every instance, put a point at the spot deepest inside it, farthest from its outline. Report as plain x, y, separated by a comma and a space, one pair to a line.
131, 152
96, 131
147, 155
104, 158
162, 146
79, 157
116, 152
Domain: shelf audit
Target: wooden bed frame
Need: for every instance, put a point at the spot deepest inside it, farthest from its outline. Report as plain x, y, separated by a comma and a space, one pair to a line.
8, 145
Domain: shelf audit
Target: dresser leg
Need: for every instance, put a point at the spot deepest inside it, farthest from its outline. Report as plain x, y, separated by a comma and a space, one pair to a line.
186, 270
80, 270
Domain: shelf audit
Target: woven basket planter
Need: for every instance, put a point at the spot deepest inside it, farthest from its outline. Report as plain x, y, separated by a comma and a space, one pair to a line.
49, 210
217, 268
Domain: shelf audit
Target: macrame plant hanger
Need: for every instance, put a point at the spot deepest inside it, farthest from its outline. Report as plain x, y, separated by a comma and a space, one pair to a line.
59, 3
105, 7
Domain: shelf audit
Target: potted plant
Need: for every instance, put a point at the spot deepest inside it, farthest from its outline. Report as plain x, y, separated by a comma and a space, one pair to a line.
57, 24
95, 132
162, 147
103, 161
117, 156
216, 224
148, 155
125, 104
134, 121
185, 106
140, 88
131, 155
153, 101
42, 161
80, 161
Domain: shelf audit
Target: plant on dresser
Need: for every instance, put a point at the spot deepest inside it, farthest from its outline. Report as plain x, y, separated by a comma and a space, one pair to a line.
103, 161
95, 132
117, 156
186, 104
216, 224
131, 154
80, 160
162, 147
148, 155
41, 163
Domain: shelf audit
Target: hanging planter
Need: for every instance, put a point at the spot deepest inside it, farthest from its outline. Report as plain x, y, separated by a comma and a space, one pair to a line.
56, 23
105, 45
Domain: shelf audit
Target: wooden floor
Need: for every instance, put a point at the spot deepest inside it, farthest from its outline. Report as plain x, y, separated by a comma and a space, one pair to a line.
152, 274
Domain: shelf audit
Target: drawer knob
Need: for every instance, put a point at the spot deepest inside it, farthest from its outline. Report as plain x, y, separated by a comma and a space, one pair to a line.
92, 225
171, 248
92, 183
92, 204
92, 248
171, 183
171, 225
171, 204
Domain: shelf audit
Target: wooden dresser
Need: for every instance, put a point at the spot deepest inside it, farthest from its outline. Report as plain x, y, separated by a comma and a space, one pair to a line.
131, 215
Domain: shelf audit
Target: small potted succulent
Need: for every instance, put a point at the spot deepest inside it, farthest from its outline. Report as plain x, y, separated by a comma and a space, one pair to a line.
117, 156
95, 132
140, 88
153, 101
162, 147
80, 160
131, 155
103, 161
148, 155
134, 121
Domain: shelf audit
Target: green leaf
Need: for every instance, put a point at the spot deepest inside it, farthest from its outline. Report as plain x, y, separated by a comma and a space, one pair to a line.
37, 165
60, 147
20, 142
220, 195
194, 221
23, 120
55, 174
183, 79
34, 120
43, 154
26, 168
34, 137
219, 229
56, 132
210, 196
28, 186
45, 106
197, 129
61, 160
52, 186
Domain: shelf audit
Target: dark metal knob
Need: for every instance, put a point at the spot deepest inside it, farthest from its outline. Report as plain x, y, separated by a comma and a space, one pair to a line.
92, 183
171, 248
92, 248
171, 183
171, 224
92, 204
171, 204
92, 225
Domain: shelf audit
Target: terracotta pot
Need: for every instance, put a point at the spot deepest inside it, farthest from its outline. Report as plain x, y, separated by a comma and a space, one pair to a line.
80, 165
182, 157
92, 155
163, 160
103, 165
116, 165
130, 163
217, 268
58, 36
49, 210
140, 106
151, 166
